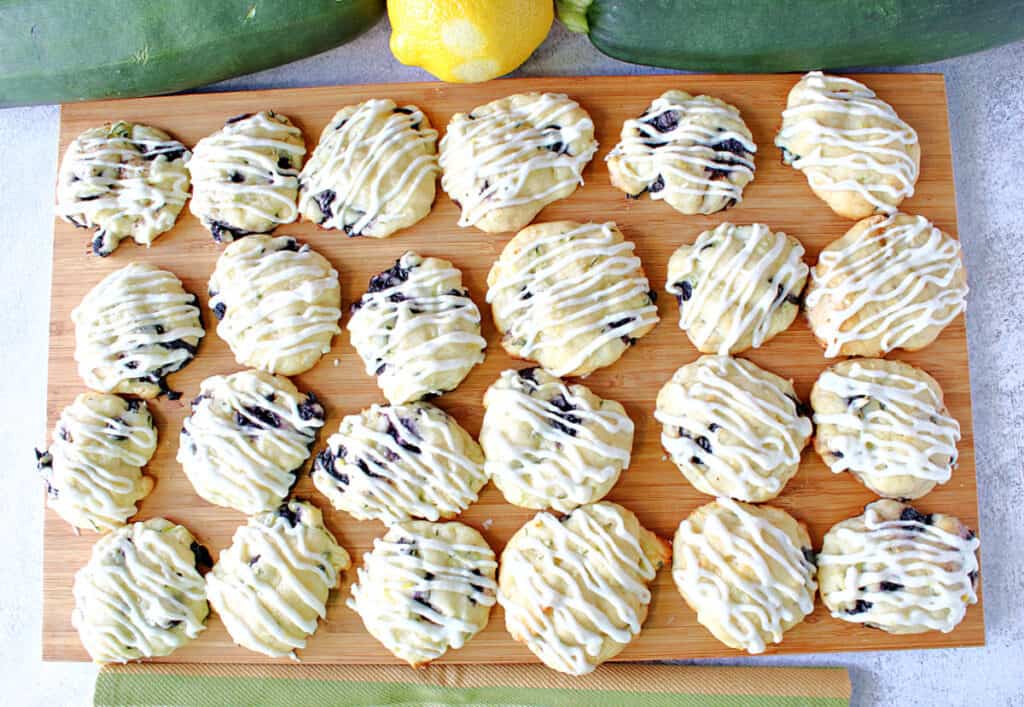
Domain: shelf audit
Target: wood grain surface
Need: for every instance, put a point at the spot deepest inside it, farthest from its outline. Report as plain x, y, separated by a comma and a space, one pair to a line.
652, 487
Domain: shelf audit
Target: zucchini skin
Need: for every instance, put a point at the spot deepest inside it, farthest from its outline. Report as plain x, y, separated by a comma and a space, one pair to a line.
750, 36
57, 51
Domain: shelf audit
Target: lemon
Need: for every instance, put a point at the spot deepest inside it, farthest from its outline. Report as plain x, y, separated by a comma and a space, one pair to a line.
466, 41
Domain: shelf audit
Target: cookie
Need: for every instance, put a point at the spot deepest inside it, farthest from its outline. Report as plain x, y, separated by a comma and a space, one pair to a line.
141, 594
693, 152
732, 428
278, 302
271, 585
399, 462
899, 570
93, 468
746, 570
576, 590
425, 588
737, 286
886, 423
373, 171
552, 445
245, 177
891, 282
123, 180
859, 157
572, 297
505, 161
416, 329
133, 329
246, 438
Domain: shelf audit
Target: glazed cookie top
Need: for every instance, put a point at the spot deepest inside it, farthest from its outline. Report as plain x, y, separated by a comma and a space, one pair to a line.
746, 571
416, 329
506, 160
572, 297
886, 422
550, 445
900, 570
133, 329
271, 585
890, 282
575, 590
737, 286
398, 462
694, 152
732, 428
373, 170
92, 470
425, 588
245, 177
125, 180
278, 302
140, 595
246, 439
857, 154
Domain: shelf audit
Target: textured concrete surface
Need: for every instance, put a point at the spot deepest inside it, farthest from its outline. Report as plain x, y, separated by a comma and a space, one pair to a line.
986, 97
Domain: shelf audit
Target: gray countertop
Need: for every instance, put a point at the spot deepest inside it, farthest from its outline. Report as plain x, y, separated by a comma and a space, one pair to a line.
986, 106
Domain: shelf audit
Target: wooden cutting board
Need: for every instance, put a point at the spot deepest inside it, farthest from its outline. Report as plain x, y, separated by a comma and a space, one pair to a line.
653, 488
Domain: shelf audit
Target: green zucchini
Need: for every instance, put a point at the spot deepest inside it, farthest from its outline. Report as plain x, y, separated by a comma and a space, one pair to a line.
56, 51
791, 35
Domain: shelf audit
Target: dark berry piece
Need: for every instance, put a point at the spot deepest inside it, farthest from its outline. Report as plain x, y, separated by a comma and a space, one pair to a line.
528, 374
657, 185
685, 291
284, 162
204, 562
665, 122
809, 555
257, 417
912, 514
236, 177
323, 201
290, 516
310, 408
704, 443
732, 145
392, 277
219, 310
860, 607
221, 230
890, 586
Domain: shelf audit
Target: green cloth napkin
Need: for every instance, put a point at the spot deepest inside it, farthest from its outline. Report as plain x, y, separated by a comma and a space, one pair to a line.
615, 685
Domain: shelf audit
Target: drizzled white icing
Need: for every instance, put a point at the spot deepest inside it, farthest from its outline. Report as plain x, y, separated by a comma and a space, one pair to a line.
690, 158
738, 279
271, 585
551, 445
422, 334
237, 179
905, 430
93, 467
738, 421
140, 595
398, 462
422, 590
245, 437
129, 329
562, 296
855, 132
576, 591
892, 282
500, 155
375, 160
930, 572
282, 303
742, 573
123, 180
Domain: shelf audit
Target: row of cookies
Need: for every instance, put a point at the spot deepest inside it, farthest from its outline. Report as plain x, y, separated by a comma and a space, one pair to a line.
575, 589
373, 171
